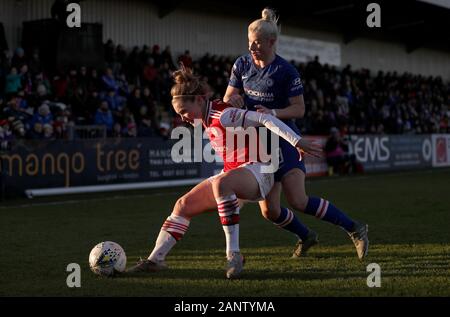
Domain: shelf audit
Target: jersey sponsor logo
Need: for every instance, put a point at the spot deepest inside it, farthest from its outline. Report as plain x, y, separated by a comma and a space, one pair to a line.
297, 82
259, 94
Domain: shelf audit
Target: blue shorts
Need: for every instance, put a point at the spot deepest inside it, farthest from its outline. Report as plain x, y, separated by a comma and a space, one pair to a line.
289, 159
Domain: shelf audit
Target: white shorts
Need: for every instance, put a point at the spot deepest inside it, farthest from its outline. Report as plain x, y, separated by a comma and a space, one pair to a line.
265, 180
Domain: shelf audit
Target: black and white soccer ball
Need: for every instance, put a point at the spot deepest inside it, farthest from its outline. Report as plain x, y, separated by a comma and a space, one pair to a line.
107, 259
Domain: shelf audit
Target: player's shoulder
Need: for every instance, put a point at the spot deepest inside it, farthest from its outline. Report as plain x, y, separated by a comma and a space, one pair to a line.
287, 66
243, 61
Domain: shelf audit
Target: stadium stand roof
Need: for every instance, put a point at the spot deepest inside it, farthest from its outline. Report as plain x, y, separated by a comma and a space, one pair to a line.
414, 23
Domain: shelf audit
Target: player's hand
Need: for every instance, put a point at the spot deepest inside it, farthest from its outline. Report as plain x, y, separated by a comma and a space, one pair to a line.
309, 147
236, 101
262, 109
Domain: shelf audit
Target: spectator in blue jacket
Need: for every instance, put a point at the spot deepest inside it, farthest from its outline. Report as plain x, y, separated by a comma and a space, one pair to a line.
104, 116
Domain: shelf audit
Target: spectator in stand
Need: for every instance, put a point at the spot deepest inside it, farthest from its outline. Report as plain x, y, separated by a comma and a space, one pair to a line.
48, 132
135, 101
122, 83
42, 116
156, 56
132, 66
104, 117
61, 123
151, 107
121, 57
6, 135
110, 55
354, 101
116, 103
34, 64
108, 80
94, 82
60, 85
167, 58
79, 104
19, 59
72, 86
16, 117
41, 79
144, 123
13, 82
131, 131
83, 78
338, 159
150, 74
117, 131
27, 79
186, 59
35, 132
22, 102
144, 55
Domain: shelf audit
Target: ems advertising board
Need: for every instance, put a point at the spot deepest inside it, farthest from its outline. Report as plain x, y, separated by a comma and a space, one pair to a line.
392, 152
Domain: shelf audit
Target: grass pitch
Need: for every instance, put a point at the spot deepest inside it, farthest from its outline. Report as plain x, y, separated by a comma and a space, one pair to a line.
409, 230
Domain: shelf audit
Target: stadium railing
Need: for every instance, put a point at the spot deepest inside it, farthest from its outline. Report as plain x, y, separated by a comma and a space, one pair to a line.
87, 132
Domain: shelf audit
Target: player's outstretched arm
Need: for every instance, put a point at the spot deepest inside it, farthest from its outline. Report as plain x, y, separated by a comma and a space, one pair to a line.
244, 118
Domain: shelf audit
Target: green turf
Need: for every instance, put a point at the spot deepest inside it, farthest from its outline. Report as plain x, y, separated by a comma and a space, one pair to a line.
409, 229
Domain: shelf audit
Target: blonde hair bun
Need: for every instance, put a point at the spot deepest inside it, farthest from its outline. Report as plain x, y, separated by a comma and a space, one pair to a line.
268, 14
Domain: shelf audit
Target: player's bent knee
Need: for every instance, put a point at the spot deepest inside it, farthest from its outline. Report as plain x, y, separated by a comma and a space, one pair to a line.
180, 208
269, 214
299, 203
221, 184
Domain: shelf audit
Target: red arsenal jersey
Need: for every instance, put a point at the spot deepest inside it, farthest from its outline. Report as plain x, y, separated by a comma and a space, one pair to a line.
218, 135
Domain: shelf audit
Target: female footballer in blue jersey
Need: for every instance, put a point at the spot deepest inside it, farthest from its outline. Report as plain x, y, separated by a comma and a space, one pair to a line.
272, 85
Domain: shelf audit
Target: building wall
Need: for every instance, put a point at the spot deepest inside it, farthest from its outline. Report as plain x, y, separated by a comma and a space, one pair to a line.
137, 23
377, 55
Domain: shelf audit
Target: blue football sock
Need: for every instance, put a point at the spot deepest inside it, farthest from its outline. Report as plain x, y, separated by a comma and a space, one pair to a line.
288, 221
326, 211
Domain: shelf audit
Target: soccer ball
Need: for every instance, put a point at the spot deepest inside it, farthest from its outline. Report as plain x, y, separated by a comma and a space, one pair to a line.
107, 258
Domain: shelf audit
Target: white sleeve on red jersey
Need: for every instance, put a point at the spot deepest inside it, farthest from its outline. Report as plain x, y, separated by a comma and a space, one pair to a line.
233, 117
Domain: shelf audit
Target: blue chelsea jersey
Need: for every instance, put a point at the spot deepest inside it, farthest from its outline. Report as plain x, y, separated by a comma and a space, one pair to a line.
271, 86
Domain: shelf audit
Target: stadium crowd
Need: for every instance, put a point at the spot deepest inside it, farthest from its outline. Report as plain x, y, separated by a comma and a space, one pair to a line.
130, 96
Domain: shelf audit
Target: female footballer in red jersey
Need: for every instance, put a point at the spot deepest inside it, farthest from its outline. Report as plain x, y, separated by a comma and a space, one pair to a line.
241, 178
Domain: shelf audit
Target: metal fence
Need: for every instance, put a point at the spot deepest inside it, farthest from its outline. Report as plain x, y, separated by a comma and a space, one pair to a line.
87, 132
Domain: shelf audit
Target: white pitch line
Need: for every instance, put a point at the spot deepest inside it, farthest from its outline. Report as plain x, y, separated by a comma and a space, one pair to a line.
74, 201
327, 180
